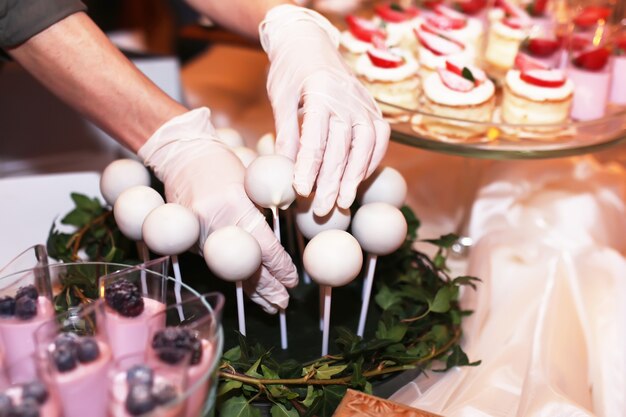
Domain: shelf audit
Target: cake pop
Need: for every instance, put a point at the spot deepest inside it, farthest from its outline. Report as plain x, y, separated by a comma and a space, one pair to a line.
380, 229
268, 183
333, 258
120, 175
229, 137
266, 145
233, 255
245, 155
386, 185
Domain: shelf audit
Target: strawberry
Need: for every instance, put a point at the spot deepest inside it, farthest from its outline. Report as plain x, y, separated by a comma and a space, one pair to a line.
384, 58
542, 46
444, 23
469, 72
620, 44
513, 22
543, 78
590, 15
580, 41
394, 13
363, 29
537, 8
524, 62
470, 7
436, 42
458, 19
379, 42
454, 81
592, 60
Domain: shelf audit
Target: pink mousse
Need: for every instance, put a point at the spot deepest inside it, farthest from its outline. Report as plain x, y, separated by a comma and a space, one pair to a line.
618, 81
119, 392
199, 389
591, 93
83, 390
19, 344
128, 335
50, 408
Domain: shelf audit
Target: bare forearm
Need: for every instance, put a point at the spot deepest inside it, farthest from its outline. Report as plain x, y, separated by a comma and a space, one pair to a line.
242, 16
76, 61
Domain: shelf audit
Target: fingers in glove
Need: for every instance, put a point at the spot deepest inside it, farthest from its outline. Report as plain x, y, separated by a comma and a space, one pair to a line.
287, 132
312, 146
380, 148
333, 166
361, 149
266, 291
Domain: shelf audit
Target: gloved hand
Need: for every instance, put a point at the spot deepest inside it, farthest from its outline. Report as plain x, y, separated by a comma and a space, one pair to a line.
205, 176
343, 136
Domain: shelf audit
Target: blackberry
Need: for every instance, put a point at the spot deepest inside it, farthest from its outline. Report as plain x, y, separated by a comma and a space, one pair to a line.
87, 350
172, 343
27, 408
25, 308
164, 393
35, 390
124, 297
6, 405
140, 400
29, 291
68, 340
196, 350
140, 374
64, 359
7, 306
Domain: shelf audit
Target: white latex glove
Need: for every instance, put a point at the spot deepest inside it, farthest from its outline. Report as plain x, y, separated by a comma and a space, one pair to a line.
343, 135
203, 175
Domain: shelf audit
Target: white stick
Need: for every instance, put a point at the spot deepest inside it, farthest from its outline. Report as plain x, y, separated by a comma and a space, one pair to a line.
177, 286
321, 308
300, 240
142, 249
240, 312
327, 295
281, 313
367, 285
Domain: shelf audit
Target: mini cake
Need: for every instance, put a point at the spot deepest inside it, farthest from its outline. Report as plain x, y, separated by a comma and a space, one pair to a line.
359, 37
618, 79
435, 48
458, 92
544, 49
537, 97
508, 29
399, 22
458, 26
390, 76
590, 72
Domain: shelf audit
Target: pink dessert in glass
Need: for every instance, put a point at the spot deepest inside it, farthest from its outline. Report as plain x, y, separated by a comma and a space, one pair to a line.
199, 390
589, 70
618, 68
20, 316
79, 370
127, 315
32, 398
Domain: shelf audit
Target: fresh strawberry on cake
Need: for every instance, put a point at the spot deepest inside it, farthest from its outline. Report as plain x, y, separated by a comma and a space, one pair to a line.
435, 48
360, 36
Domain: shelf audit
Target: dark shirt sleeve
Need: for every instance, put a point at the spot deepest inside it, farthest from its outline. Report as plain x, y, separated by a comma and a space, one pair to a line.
22, 19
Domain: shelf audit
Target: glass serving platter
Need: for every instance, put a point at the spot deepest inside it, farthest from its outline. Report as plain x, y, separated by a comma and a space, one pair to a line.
508, 141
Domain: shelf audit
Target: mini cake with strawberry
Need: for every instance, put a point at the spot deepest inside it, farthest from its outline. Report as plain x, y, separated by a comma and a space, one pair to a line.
462, 93
398, 22
435, 48
508, 29
390, 75
618, 78
457, 26
360, 36
537, 96
589, 69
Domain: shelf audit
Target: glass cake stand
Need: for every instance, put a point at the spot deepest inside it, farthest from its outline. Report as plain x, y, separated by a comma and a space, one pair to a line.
508, 141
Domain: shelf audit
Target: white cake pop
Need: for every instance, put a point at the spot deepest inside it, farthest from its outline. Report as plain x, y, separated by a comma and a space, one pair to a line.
232, 253
245, 155
386, 185
120, 175
229, 137
310, 225
266, 145
170, 229
132, 207
332, 258
380, 229
269, 181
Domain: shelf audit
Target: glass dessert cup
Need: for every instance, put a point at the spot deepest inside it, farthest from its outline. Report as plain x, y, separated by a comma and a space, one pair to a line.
73, 283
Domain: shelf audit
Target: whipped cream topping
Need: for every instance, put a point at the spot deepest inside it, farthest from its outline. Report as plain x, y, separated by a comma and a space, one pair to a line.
440, 93
357, 46
432, 61
401, 29
365, 68
471, 32
536, 92
508, 32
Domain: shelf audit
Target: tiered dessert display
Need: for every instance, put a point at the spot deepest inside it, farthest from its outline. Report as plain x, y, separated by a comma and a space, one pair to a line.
513, 79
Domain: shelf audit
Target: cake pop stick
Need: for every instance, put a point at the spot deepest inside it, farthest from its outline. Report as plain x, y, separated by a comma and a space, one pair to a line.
171, 229
380, 229
333, 258
130, 210
233, 255
309, 225
268, 183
